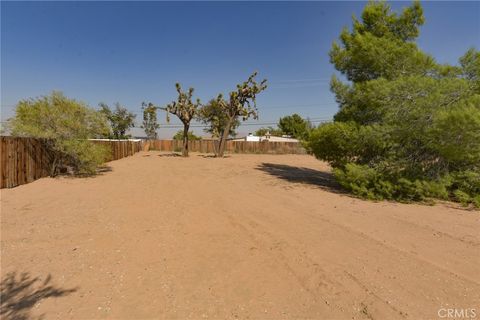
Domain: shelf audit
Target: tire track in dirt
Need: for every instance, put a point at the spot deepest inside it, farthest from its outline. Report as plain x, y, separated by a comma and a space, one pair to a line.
201, 237
384, 247
399, 250
322, 285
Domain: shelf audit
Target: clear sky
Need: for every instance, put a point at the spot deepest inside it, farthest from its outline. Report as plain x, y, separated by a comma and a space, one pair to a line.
135, 51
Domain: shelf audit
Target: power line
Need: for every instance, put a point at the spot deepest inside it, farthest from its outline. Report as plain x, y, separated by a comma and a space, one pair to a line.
179, 126
260, 108
297, 85
301, 80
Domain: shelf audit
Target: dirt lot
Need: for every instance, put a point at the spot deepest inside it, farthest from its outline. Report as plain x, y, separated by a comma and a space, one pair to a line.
249, 237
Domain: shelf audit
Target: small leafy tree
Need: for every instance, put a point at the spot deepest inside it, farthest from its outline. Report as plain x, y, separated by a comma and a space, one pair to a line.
213, 115
241, 103
186, 110
295, 126
150, 124
63, 125
191, 136
273, 131
120, 120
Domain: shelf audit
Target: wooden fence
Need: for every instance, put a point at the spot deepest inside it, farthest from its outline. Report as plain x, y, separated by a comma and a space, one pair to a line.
23, 160
208, 146
120, 148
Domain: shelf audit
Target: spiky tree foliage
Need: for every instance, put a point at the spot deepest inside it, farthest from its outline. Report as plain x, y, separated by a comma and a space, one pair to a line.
408, 128
213, 115
186, 110
150, 124
120, 120
241, 104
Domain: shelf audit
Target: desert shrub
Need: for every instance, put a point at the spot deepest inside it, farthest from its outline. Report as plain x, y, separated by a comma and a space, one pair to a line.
373, 184
64, 125
467, 181
191, 136
476, 201
361, 180
344, 142
462, 197
82, 155
334, 142
466, 187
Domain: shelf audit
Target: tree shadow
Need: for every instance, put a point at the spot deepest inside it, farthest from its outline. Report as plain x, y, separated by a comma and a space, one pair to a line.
212, 156
321, 179
173, 154
101, 170
20, 292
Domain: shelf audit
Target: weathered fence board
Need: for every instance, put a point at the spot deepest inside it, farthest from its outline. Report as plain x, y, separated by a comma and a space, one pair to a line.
120, 148
208, 146
23, 160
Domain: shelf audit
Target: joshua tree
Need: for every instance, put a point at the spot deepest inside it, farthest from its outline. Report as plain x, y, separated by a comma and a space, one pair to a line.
241, 103
185, 110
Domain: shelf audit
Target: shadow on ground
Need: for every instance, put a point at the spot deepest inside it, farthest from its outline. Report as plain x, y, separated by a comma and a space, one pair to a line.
103, 169
322, 179
212, 156
20, 292
99, 172
173, 154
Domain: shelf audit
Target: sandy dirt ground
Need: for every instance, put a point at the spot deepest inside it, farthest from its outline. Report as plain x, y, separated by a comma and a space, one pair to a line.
248, 237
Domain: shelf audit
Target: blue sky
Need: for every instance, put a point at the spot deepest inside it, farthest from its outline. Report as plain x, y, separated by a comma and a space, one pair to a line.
135, 51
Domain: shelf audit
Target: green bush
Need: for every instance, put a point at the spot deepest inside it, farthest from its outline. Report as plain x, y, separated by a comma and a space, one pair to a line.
83, 155
361, 180
64, 125
191, 136
466, 187
369, 183
467, 181
476, 201
462, 197
334, 142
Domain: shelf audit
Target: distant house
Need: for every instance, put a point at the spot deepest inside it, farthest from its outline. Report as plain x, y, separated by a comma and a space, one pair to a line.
279, 139
266, 137
253, 138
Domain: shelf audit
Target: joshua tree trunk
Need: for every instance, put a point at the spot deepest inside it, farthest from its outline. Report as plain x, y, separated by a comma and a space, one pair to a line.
223, 138
186, 126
